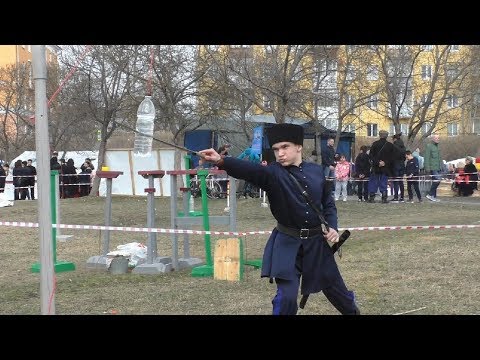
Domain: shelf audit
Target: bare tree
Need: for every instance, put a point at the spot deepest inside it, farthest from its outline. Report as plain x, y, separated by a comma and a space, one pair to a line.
70, 125
289, 81
105, 80
262, 80
342, 87
227, 99
175, 84
175, 78
16, 114
424, 86
268, 76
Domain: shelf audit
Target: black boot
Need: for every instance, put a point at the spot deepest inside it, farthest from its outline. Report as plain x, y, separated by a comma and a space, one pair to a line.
384, 197
371, 199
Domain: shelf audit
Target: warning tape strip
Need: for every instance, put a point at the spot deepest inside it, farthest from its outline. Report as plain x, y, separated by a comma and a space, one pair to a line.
234, 233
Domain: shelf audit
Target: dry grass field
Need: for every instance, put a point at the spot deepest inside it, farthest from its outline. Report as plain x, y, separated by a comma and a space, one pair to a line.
400, 271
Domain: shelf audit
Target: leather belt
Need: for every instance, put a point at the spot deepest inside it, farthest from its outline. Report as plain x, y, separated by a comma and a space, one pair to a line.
301, 233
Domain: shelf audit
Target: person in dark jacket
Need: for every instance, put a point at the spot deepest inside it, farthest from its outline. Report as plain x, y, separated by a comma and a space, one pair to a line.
84, 178
381, 157
25, 181
70, 179
472, 173
18, 179
3, 176
412, 170
32, 170
54, 164
398, 167
297, 248
328, 163
362, 171
87, 164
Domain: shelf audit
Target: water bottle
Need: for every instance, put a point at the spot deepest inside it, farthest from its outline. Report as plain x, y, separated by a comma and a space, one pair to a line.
145, 125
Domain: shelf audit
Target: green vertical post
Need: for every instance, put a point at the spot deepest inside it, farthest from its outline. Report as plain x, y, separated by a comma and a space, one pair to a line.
53, 211
59, 266
207, 269
187, 159
206, 222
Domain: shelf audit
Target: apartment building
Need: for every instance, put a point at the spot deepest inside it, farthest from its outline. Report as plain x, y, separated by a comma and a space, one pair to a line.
416, 89
17, 94
20, 54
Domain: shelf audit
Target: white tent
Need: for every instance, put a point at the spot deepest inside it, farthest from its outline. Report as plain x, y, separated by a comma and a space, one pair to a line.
77, 156
455, 162
130, 183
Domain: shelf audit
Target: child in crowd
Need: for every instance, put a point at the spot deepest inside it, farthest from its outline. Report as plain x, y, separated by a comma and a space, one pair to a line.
412, 170
342, 173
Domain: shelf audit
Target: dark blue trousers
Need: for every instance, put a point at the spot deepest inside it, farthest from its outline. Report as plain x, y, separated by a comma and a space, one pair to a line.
285, 300
376, 182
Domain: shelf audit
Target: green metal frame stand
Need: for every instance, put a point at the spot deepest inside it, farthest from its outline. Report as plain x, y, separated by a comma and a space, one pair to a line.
207, 269
59, 266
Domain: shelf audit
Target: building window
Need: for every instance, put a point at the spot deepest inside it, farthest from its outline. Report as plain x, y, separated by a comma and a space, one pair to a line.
452, 71
452, 129
267, 104
270, 49
30, 74
403, 129
426, 102
476, 99
427, 47
455, 48
325, 101
213, 47
426, 127
325, 66
351, 48
239, 46
350, 128
325, 73
326, 98
373, 102
452, 101
476, 126
426, 72
350, 75
372, 73
331, 124
350, 103
372, 129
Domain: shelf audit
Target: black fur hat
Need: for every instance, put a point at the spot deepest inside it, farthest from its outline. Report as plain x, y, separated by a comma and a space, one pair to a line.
285, 132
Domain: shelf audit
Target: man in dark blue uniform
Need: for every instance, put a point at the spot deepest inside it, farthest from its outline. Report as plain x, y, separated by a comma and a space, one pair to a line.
298, 248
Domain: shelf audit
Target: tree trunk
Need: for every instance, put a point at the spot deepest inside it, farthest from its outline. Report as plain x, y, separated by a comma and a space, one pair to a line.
101, 161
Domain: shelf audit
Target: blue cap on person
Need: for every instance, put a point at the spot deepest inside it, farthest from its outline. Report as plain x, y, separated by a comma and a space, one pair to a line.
285, 132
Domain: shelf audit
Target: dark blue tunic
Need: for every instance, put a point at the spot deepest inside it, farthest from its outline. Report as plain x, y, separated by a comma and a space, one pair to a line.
290, 208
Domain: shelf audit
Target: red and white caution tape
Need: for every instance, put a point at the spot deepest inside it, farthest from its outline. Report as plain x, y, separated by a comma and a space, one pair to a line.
412, 227
233, 233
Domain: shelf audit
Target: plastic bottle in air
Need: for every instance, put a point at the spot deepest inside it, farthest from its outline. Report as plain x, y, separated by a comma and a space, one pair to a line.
145, 125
